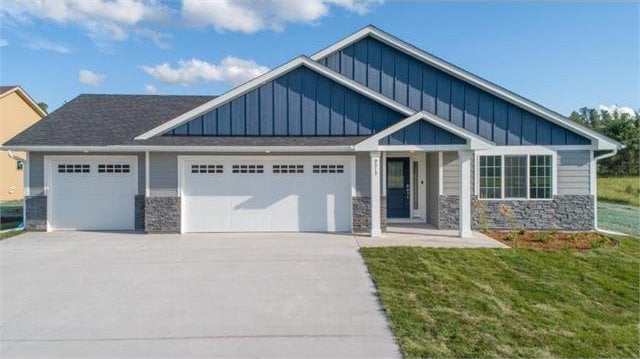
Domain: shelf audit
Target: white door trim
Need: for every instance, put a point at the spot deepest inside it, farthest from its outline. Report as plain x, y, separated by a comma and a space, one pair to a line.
48, 173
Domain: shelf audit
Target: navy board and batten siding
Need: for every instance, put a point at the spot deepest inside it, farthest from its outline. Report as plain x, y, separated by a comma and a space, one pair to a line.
420, 86
422, 133
298, 103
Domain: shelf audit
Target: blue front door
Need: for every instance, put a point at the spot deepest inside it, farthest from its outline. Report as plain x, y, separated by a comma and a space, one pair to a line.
398, 188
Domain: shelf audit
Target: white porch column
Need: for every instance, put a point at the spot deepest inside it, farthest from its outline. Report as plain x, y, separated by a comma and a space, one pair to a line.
464, 194
375, 194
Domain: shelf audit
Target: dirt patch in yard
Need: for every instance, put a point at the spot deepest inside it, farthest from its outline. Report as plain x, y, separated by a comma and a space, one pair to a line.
552, 240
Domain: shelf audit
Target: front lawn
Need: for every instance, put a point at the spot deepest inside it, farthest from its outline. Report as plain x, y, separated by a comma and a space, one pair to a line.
511, 302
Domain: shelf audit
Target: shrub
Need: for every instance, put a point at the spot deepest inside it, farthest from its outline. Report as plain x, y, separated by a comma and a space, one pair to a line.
542, 237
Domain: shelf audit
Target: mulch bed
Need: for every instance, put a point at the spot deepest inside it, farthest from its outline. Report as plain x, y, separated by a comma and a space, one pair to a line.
552, 240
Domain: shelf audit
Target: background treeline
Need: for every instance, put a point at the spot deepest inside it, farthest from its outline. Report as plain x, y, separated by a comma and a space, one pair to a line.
621, 126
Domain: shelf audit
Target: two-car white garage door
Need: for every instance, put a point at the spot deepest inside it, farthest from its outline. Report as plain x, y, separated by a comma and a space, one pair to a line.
218, 193
243, 193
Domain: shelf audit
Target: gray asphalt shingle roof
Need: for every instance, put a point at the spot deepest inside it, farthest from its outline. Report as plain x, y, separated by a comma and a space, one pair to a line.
108, 120
102, 120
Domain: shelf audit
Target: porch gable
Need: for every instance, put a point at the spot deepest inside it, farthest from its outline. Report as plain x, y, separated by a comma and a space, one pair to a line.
422, 132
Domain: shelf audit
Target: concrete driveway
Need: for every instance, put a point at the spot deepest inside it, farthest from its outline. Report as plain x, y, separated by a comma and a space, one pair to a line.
83, 294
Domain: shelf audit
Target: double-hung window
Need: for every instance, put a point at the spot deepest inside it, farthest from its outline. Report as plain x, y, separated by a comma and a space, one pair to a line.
517, 176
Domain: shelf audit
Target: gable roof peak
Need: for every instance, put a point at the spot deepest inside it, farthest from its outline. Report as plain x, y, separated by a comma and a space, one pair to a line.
602, 142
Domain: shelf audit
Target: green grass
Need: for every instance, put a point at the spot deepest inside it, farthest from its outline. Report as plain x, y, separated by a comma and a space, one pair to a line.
624, 190
9, 234
8, 225
511, 303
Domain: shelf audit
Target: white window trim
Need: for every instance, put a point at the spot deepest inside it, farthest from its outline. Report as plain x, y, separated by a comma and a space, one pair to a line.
529, 151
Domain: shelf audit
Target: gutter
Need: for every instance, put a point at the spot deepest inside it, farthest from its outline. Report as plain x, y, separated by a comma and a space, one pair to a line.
595, 198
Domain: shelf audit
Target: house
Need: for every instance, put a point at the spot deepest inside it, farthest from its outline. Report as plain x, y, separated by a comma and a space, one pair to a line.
368, 131
18, 111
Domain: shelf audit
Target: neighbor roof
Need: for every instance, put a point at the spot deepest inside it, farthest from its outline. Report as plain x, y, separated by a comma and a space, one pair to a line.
4, 89
105, 120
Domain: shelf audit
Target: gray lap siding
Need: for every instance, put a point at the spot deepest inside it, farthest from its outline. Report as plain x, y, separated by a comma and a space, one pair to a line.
571, 208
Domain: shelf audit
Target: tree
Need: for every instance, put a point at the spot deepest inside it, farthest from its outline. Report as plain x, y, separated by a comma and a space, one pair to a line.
623, 127
43, 106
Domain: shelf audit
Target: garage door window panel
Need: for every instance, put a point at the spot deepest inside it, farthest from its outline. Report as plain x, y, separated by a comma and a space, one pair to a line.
74, 168
288, 169
247, 169
114, 168
206, 168
328, 168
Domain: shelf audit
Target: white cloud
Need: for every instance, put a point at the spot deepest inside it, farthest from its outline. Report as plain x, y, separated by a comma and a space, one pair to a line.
90, 78
101, 19
40, 44
150, 89
157, 37
253, 16
615, 108
231, 70
3, 42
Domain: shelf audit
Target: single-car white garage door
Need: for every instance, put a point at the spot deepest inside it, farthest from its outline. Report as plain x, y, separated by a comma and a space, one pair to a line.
278, 193
91, 192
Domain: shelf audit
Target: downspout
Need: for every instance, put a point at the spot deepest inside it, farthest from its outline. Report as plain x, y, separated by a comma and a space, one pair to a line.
25, 167
14, 156
595, 192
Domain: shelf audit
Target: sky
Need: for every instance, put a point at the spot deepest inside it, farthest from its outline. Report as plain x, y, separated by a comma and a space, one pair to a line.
562, 55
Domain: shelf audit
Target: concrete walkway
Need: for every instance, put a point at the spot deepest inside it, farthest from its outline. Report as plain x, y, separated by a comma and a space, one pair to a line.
418, 235
118, 295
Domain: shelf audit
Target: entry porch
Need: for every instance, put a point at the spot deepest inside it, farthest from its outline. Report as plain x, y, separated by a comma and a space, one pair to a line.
420, 171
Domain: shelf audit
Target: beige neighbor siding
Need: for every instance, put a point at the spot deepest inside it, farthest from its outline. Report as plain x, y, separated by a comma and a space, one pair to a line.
16, 114
573, 172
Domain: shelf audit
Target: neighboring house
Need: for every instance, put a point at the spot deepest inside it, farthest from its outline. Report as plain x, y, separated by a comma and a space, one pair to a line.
367, 131
18, 111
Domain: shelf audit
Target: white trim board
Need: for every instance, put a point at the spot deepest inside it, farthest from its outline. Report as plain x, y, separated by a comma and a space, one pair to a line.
261, 80
602, 142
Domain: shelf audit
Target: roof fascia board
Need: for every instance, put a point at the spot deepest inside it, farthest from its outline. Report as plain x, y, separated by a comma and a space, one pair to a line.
603, 142
142, 148
26, 98
261, 80
474, 142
